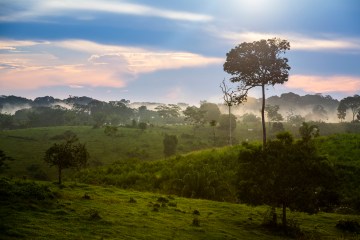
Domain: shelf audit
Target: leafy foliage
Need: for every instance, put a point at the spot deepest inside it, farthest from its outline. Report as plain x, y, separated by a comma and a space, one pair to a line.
170, 143
258, 64
352, 103
211, 111
69, 154
110, 130
3, 158
285, 173
273, 113
11, 190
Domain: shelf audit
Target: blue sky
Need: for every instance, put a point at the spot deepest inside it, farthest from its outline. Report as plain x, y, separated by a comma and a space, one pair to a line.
171, 51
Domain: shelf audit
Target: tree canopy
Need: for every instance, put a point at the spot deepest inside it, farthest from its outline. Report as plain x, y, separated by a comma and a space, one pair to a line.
285, 174
68, 154
257, 64
352, 103
211, 111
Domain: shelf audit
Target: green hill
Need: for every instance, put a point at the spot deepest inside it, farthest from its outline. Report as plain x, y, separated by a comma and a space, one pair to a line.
80, 211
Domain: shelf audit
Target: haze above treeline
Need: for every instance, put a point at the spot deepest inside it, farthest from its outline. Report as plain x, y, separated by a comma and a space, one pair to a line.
316, 107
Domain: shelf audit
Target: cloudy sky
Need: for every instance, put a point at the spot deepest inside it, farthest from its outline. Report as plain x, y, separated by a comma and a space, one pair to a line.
171, 51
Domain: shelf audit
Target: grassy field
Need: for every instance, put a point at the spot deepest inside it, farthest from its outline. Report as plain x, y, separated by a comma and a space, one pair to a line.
108, 213
27, 146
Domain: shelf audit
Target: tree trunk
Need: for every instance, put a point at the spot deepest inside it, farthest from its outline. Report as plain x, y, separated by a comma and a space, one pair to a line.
214, 135
230, 137
59, 171
284, 223
263, 115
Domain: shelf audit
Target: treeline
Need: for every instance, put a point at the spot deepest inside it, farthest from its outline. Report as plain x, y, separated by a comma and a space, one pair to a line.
47, 111
18, 112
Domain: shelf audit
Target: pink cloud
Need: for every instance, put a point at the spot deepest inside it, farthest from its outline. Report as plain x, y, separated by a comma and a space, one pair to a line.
66, 75
325, 84
92, 64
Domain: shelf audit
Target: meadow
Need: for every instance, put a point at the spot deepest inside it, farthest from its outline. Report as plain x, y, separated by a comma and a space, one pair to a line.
130, 191
27, 146
80, 211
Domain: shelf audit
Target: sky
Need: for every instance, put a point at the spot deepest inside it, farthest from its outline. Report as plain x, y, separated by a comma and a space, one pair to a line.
171, 51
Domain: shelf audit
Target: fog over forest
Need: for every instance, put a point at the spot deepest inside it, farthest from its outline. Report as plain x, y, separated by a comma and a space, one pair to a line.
315, 107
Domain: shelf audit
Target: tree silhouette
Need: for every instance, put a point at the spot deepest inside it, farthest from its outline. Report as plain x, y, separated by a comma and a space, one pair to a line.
352, 103
229, 99
68, 154
195, 116
3, 158
273, 113
286, 174
258, 64
170, 143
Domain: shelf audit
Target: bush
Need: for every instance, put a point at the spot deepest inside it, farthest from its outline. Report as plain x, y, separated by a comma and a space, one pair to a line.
23, 190
351, 226
196, 222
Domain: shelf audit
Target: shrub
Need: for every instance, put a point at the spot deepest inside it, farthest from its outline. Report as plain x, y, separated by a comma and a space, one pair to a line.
196, 222
10, 190
351, 226
162, 200
94, 214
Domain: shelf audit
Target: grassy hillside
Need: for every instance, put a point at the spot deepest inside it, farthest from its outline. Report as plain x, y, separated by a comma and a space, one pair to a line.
88, 212
27, 146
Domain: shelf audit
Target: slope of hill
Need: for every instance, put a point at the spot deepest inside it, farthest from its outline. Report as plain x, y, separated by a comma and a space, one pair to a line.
81, 211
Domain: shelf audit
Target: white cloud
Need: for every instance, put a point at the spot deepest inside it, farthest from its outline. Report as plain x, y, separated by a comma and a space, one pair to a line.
297, 41
12, 44
138, 60
92, 64
40, 8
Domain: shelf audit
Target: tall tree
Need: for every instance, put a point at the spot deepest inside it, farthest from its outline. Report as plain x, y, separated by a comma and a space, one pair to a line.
258, 64
229, 100
69, 154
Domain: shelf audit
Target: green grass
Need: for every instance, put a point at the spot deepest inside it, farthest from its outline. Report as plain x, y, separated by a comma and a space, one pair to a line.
108, 214
27, 146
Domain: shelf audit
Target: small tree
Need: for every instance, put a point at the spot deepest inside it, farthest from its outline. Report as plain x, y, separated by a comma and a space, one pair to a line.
224, 123
110, 130
285, 174
195, 116
211, 111
258, 64
213, 124
142, 126
170, 143
69, 154
307, 132
3, 158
